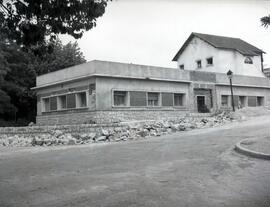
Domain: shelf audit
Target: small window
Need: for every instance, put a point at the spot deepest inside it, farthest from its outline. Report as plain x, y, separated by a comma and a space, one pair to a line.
92, 88
62, 102
153, 99
199, 63
260, 101
46, 104
248, 60
178, 99
182, 67
242, 101
224, 100
209, 61
120, 98
81, 100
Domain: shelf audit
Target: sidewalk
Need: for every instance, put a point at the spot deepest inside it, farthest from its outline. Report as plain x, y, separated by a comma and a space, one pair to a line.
255, 147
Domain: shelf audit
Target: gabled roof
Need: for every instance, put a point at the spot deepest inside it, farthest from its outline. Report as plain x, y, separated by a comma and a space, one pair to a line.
221, 42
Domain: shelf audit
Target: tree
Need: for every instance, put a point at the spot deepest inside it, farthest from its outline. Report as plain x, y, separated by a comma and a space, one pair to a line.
61, 56
29, 46
30, 21
265, 21
16, 98
19, 70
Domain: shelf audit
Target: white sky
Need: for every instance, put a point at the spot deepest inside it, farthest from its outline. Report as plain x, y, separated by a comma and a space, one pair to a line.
150, 32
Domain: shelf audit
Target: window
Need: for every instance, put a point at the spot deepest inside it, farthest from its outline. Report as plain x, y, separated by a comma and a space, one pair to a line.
62, 102
199, 63
260, 101
242, 101
248, 60
120, 98
153, 99
178, 99
81, 100
92, 88
46, 104
224, 100
65, 101
182, 67
209, 61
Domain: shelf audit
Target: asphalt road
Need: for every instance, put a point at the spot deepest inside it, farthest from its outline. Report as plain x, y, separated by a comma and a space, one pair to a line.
195, 168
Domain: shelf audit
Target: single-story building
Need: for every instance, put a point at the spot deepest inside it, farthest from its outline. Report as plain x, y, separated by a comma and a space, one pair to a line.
102, 91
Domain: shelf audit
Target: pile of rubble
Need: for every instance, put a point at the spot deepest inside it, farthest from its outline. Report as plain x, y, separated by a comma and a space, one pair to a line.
129, 131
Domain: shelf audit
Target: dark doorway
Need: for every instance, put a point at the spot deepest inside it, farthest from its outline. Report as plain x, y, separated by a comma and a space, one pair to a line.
202, 108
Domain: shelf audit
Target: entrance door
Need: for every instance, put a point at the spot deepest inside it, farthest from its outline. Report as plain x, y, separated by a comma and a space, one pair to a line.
201, 104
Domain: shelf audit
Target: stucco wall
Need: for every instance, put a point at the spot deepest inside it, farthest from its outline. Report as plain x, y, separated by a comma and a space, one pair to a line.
63, 89
129, 77
103, 68
105, 86
223, 60
242, 91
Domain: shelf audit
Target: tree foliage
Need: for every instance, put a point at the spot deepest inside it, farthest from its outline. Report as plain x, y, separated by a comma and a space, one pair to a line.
60, 57
265, 21
18, 73
30, 21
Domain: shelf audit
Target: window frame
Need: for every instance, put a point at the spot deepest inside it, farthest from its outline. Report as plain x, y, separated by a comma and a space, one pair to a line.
159, 99
127, 98
77, 97
58, 102
64, 94
183, 93
227, 98
198, 64
208, 58
248, 58
261, 100
183, 100
43, 106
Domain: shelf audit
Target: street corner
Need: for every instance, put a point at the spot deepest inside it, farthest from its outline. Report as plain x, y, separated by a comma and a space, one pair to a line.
254, 147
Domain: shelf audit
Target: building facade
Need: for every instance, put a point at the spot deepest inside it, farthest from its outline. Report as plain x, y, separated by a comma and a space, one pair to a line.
102, 91
219, 54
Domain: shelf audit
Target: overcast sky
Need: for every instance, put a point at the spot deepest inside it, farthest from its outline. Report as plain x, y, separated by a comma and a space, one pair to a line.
150, 32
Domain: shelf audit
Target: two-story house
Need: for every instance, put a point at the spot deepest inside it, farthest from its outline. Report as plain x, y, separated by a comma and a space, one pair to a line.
218, 54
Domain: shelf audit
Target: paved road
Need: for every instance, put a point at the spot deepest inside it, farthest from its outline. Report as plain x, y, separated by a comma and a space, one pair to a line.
196, 168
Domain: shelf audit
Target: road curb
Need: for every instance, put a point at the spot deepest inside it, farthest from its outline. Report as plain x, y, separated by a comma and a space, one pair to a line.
239, 148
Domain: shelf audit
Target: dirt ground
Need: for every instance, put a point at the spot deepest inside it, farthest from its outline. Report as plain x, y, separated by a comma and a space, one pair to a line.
194, 168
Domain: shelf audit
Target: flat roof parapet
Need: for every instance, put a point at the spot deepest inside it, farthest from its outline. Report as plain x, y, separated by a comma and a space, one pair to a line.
98, 68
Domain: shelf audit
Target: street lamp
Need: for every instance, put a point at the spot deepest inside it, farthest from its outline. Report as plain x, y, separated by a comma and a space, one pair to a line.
230, 75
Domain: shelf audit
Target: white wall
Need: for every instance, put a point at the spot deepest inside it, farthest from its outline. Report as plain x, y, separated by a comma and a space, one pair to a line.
223, 60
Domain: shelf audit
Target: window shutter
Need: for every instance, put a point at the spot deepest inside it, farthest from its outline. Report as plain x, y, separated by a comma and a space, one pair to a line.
137, 98
71, 101
252, 101
53, 103
167, 99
